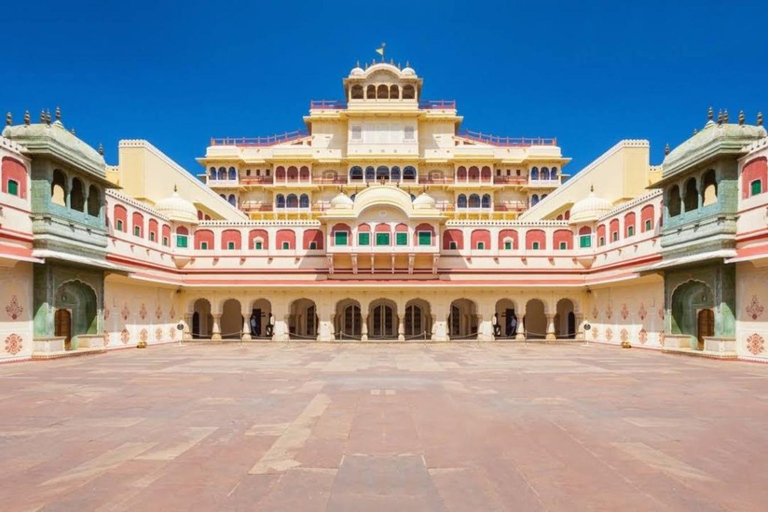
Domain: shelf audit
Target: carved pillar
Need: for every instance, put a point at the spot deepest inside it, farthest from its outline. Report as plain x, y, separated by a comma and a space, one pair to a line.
550, 327
246, 336
186, 334
485, 322
216, 329
364, 327
580, 334
440, 328
401, 326
520, 331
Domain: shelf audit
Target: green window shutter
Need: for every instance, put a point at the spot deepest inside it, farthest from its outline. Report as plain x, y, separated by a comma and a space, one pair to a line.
363, 239
425, 238
119, 225
563, 246
181, 241
401, 238
230, 245
340, 238
648, 225
13, 187
535, 246
585, 241
508, 246
382, 238
258, 245
631, 231
756, 187
136, 231
204, 246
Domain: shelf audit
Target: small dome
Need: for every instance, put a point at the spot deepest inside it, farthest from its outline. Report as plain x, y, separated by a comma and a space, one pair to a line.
589, 209
177, 209
356, 71
408, 71
342, 202
423, 202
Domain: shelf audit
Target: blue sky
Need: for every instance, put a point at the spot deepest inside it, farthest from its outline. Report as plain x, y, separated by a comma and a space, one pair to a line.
588, 73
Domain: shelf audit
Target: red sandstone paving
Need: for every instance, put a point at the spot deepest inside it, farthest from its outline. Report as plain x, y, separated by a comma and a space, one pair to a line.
462, 427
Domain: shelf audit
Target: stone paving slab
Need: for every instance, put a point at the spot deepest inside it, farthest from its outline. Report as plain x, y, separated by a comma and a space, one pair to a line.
391, 427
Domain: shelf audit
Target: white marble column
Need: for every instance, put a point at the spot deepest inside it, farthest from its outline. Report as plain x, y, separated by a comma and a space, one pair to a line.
520, 331
246, 335
216, 329
187, 332
364, 327
401, 326
550, 327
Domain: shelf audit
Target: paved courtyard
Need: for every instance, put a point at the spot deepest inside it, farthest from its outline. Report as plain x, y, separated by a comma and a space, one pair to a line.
384, 428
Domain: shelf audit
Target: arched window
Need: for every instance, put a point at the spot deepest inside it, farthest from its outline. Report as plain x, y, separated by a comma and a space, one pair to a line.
232, 199
461, 173
94, 201
544, 173
382, 92
673, 201
474, 174
474, 201
709, 188
370, 92
293, 173
553, 173
691, 200
409, 173
395, 173
304, 173
59, 188
370, 173
535, 173
357, 92
486, 202
232, 173
291, 201
356, 173
485, 174
534, 199
304, 201
280, 201
223, 196
382, 172
212, 173
409, 93
280, 173
461, 202
222, 173
394, 92
77, 196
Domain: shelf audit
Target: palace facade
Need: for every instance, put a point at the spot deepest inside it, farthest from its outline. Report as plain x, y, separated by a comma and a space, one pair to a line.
383, 219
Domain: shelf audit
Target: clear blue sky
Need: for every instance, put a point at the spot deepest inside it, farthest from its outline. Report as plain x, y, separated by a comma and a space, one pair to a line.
588, 73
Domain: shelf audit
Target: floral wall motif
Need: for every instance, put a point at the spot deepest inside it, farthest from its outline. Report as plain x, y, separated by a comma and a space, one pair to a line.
13, 344
14, 309
159, 334
624, 335
642, 312
158, 312
143, 311
609, 334
143, 335
125, 336
662, 338
172, 333
608, 311
754, 308
624, 311
107, 312
642, 336
595, 313
755, 344
595, 333
172, 313
125, 312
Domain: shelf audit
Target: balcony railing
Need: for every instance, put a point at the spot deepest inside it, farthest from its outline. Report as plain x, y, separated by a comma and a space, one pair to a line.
436, 180
257, 180
510, 180
339, 180
328, 104
508, 141
437, 104
270, 140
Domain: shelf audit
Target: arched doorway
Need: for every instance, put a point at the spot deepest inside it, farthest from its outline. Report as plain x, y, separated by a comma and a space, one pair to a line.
418, 320
231, 320
202, 320
302, 322
693, 312
462, 319
506, 319
565, 320
382, 320
535, 320
77, 303
260, 319
348, 320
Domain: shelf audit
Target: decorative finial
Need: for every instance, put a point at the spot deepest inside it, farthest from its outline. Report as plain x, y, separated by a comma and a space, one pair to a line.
720, 116
101, 149
725, 116
695, 131
741, 117
48, 117
27, 119
58, 113
407, 63
666, 149
759, 119
710, 114
72, 131
357, 64
399, 66
42, 116
8, 119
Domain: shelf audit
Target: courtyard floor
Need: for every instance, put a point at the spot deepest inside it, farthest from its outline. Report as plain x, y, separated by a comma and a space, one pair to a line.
391, 427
